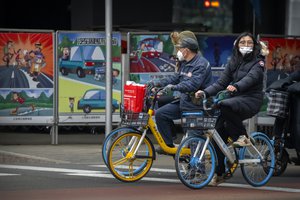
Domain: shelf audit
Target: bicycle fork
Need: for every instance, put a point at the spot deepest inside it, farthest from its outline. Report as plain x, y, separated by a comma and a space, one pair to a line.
134, 146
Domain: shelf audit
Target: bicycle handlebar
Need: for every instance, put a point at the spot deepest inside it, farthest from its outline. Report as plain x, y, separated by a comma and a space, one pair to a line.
223, 94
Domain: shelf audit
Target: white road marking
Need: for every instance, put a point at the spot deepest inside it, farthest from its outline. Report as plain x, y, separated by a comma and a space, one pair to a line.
106, 174
32, 84
6, 174
152, 168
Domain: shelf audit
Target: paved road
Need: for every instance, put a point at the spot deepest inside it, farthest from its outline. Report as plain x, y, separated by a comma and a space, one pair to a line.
77, 171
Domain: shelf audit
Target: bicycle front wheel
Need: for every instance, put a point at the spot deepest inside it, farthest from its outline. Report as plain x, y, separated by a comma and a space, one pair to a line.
259, 162
195, 165
129, 158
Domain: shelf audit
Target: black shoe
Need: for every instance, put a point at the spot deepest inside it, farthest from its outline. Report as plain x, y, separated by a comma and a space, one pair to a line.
159, 150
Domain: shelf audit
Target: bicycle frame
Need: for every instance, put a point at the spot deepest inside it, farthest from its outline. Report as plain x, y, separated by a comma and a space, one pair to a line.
224, 148
152, 126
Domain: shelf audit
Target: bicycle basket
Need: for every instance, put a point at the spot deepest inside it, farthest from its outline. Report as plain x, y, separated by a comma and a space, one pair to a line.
201, 120
136, 119
278, 105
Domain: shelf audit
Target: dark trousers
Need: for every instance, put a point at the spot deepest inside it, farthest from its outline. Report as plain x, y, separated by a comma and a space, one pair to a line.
229, 123
279, 126
164, 117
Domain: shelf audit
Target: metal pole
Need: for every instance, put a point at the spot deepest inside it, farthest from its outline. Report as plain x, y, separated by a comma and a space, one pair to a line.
108, 32
125, 72
54, 128
253, 28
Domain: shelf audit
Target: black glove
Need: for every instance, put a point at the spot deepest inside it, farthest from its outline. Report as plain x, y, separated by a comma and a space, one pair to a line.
169, 88
150, 85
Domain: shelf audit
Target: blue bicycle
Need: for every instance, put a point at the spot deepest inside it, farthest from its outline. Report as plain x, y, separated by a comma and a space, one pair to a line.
196, 159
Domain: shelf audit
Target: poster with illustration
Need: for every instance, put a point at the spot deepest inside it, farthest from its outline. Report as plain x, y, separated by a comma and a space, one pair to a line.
284, 57
81, 65
26, 77
152, 55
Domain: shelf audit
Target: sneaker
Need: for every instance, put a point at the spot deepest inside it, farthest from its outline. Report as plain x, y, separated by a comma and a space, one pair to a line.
242, 141
216, 180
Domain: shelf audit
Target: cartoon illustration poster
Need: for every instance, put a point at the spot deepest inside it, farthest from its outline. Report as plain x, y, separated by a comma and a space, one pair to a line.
152, 55
82, 71
284, 57
26, 77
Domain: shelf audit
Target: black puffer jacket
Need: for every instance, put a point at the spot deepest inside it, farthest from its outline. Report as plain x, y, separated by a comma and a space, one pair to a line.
248, 79
192, 76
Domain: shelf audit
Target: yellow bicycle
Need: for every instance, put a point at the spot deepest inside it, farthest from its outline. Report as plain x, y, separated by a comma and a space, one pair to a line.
131, 154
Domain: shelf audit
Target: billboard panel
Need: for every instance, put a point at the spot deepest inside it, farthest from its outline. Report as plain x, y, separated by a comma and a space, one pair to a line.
81, 65
26, 77
152, 55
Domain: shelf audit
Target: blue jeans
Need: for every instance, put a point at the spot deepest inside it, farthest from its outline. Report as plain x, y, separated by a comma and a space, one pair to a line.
164, 117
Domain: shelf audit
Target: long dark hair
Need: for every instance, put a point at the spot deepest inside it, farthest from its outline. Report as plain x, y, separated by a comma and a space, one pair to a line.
237, 57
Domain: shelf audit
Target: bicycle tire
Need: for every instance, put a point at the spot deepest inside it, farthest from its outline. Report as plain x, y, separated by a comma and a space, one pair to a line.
282, 160
190, 171
111, 137
258, 174
123, 165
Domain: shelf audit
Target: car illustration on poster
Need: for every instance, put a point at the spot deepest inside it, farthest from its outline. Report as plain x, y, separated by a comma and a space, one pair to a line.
95, 99
83, 60
149, 48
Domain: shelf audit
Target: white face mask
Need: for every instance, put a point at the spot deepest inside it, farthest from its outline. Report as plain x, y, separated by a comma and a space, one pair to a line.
245, 50
180, 56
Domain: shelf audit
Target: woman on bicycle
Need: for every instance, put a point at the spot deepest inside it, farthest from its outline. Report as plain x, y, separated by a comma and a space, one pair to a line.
243, 78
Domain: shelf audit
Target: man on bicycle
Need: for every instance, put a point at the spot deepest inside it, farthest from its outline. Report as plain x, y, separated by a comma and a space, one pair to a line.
193, 74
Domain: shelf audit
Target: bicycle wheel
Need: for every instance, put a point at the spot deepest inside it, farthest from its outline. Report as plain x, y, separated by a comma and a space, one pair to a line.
124, 164
282, 159
258, 172
111, 137
194, 171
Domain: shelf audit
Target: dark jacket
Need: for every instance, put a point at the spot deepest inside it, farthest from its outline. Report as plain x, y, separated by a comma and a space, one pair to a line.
248, 79
192, 76
290, 83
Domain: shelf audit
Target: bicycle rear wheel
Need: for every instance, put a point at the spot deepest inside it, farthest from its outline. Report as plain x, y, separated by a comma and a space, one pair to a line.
258, 172
124, 164
193, 170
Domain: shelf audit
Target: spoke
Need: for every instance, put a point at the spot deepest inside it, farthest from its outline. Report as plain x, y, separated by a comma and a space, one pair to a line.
121, 145
130, 169
119, 162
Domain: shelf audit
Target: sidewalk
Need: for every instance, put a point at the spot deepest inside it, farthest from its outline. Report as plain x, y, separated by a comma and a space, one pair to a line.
71, 149
60, 154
